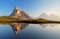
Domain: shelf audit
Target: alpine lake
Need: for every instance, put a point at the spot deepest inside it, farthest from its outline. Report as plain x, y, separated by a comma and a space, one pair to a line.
32, 31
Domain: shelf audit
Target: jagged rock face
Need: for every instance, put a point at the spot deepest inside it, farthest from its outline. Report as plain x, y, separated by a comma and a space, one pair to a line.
17, 13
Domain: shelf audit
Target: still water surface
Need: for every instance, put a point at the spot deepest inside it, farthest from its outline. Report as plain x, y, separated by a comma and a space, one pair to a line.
32, 31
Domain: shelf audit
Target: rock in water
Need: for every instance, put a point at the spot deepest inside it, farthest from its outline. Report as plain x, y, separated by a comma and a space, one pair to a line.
17, 13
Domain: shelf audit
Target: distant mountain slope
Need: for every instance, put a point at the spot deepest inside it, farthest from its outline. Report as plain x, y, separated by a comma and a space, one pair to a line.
50, 17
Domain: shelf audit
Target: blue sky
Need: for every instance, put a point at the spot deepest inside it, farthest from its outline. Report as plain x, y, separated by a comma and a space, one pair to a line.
32, 7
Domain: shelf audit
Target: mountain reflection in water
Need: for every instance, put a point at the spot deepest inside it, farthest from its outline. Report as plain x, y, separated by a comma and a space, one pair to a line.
17, 27
31, 31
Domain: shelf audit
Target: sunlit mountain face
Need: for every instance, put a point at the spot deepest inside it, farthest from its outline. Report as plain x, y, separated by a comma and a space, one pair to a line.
17, 13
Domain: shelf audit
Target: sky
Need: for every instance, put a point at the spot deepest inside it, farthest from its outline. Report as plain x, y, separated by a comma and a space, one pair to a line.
32, 7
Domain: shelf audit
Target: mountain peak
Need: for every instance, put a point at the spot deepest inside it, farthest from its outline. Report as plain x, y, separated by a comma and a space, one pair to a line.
16, 7
17, 13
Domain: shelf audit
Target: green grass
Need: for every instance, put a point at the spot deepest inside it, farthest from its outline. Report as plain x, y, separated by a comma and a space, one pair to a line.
9, 19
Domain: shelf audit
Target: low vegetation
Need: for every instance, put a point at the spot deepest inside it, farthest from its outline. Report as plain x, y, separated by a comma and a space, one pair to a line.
9, 19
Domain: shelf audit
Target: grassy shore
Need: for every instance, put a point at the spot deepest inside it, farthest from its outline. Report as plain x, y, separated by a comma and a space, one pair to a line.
8, 19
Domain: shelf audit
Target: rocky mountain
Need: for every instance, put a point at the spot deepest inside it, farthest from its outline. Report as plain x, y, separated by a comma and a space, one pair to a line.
50, 17
17, 13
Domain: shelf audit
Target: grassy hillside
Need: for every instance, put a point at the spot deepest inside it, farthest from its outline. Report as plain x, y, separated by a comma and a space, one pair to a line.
7, 18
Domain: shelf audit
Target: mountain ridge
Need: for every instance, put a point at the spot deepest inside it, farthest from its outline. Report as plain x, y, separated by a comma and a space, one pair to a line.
50, 17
